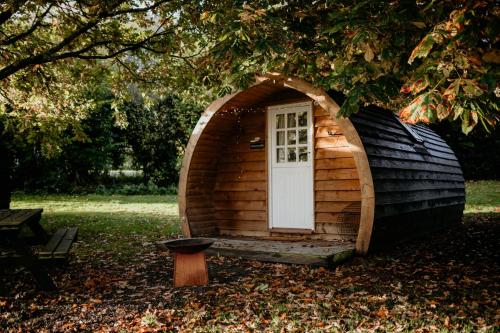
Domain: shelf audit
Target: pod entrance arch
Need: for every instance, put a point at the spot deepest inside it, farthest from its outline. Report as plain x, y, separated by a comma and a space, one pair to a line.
195, 212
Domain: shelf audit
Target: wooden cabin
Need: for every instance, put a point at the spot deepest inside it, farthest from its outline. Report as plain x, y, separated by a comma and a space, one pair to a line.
274, 162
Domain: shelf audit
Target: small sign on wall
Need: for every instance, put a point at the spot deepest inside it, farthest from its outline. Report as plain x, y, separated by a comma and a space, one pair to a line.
257, 143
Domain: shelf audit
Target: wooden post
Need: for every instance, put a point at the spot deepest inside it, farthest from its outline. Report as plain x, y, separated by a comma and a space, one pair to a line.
190, 269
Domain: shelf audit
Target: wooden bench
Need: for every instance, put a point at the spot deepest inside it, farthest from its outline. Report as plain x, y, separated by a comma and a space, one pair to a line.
14, 248
59, 244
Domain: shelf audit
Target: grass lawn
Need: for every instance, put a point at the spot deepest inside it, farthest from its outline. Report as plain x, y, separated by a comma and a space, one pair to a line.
108, 223
117, 281
483, 197
119, 224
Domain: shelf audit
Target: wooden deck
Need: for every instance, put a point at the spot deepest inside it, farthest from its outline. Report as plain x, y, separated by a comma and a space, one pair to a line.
318, 253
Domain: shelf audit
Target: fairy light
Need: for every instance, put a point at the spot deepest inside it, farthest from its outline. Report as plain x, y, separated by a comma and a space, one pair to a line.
237, 113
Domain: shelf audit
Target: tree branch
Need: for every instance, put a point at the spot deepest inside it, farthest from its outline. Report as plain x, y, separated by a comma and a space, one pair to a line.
6, 96
46, 56
131, 71
138, 10
12, 39
185, 59
126, 47
6, 15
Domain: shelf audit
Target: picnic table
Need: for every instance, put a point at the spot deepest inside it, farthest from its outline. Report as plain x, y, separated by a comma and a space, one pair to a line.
16, 249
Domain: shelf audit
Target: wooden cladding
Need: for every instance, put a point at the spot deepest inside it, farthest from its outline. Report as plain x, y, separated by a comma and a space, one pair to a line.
240, 192
336, 181
228, 180
201, 178
418, 184
407, 180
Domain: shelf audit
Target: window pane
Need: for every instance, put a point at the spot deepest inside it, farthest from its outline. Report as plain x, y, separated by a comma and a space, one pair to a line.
280, 138
303, 136
292, 155
280, 121
280, 155
292, 137
303, 119
303, 154
291, 120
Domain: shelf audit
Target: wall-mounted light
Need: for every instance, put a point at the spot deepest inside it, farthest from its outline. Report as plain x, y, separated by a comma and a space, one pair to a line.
256, 143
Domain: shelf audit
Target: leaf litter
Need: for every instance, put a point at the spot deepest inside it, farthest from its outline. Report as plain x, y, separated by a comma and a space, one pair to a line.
445, 282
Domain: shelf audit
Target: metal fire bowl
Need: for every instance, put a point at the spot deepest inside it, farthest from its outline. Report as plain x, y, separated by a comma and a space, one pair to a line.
188, 245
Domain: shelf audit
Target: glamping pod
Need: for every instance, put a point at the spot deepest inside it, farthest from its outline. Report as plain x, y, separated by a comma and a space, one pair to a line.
273, 162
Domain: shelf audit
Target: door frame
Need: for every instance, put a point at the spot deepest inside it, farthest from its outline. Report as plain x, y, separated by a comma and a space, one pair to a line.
269, 157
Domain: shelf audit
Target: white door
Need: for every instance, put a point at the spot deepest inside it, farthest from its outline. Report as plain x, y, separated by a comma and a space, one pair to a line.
291, 197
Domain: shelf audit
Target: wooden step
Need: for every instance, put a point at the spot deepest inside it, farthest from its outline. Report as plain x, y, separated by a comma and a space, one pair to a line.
316, 253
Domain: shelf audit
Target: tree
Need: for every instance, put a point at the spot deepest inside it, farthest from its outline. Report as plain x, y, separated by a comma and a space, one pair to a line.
53, 52
431, 60
80, 161
158, 134
41, 32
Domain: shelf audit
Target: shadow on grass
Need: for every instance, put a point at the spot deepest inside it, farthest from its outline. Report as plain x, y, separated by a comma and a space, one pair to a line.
120, 235
103, 222
485, 224
483, 217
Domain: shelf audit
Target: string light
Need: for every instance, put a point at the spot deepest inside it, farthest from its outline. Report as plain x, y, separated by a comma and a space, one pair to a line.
237, 113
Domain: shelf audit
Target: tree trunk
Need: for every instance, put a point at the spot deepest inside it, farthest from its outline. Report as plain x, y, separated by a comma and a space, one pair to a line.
5, 173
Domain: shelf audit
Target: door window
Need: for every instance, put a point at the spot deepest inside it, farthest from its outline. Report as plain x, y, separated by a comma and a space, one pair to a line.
292, 137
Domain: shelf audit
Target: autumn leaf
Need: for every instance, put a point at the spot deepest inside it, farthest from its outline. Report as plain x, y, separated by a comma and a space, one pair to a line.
469, 121
422, 292
443, 111
205, 16
405, 89
419, 24
421, 109
382, 312
451, 92
416, 87
368, 55
423, 47
492, 56
471, 87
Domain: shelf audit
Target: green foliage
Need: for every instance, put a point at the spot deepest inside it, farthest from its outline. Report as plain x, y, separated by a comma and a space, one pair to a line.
431, 60
79, 161
53, 52
154, 136
158, 134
